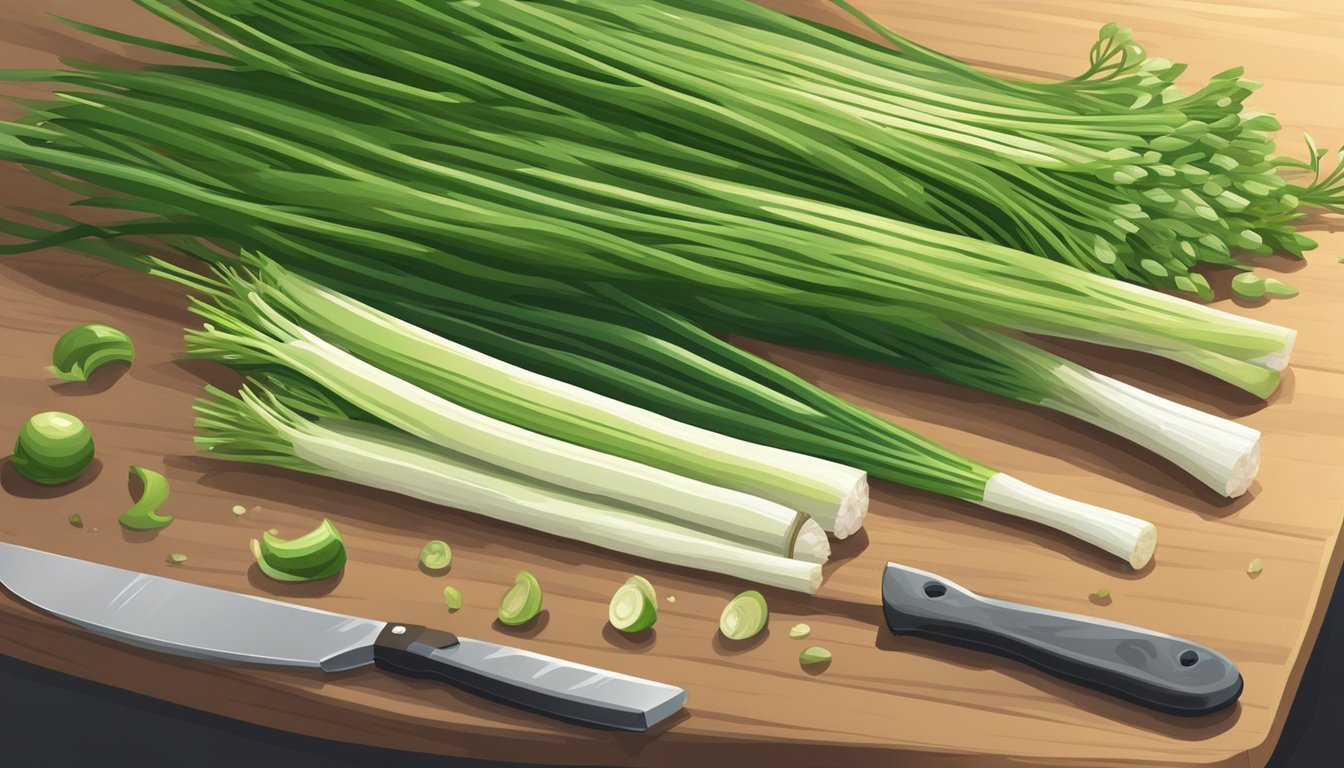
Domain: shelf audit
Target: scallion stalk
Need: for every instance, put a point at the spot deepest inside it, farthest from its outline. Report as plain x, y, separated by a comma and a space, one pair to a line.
259, 427
249, 332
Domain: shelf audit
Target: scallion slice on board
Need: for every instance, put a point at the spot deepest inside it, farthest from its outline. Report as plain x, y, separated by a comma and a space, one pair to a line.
744, 616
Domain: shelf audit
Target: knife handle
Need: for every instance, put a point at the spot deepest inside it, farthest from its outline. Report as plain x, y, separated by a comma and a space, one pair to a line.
1159, 671
528, 680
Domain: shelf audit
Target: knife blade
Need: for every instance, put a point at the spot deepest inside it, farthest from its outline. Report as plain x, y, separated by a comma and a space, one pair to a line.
211, 624
1160, 671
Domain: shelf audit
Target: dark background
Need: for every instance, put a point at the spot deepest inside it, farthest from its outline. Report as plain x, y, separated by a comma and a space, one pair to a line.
52, 719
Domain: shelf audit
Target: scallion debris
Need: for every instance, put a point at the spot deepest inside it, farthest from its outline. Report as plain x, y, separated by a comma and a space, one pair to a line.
82, 350
744, 616
144, 513
522, 602
436, 555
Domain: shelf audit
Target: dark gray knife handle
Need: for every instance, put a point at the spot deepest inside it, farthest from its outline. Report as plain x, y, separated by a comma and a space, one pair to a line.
1159, 671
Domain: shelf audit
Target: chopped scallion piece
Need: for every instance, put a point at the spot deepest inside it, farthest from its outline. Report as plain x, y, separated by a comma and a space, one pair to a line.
84, 349
239, 510
1279, 289
318, 554
1255, 567
436, 555
143, 515
1248, 285
452, 598
744, 616
76, 521
814, 655
634, 607
52, 448
177, 558
522, 602
799, 631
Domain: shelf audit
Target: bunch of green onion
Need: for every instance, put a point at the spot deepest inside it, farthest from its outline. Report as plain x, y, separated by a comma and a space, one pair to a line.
468, 404
577, 206
1116, 171
491, 199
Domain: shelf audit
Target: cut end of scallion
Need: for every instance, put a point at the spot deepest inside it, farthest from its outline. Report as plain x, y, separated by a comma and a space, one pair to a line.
849, 518
1128, 538
1219, 452
811, 546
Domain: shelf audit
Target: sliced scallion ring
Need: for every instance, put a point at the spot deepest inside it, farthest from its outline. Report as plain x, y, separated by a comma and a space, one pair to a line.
318, 554
436, 555
522, 602
744, 616
634, 607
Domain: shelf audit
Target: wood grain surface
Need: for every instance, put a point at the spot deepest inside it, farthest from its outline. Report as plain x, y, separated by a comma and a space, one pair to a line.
882, 700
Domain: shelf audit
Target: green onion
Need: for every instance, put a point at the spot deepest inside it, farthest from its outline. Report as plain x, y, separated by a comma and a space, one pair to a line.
834, 495
239, 510
744, 616
76, 521
1256, 567
247, 331
318, 554
522, 602
630, 352
436, 555
452, 598
143, 514
52, 448
799, 631
814, 655
475, 204
634, 607
83, 349
258, 427
177, 558
1219, 452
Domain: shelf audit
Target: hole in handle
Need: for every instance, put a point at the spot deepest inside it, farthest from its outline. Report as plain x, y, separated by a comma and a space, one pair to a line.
1188, 658
934, 589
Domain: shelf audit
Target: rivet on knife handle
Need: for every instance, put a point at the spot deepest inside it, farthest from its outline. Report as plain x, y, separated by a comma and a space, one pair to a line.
1159, 671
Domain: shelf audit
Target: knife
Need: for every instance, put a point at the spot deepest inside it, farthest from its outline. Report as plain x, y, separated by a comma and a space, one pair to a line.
1162, 672
217, 625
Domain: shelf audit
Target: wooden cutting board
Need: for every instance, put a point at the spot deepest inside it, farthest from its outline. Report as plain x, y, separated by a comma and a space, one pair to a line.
883, 700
